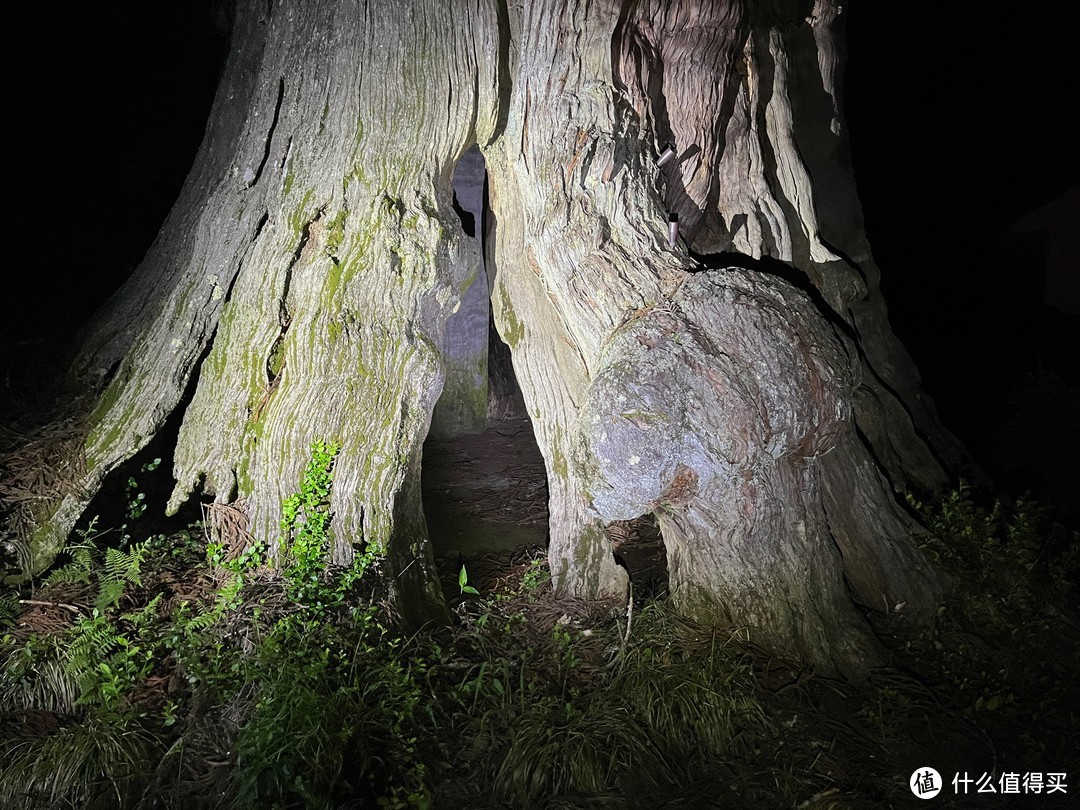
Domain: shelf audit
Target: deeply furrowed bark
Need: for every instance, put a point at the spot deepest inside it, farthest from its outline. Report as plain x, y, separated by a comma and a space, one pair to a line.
316, 253
306, 274
653, 390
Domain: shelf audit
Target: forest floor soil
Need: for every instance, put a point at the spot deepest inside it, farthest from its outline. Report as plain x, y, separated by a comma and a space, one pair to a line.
486, 504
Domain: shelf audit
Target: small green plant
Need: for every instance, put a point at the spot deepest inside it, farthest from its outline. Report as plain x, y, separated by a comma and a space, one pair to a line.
82, 677
201, 655
695, 691
968, 537
120, 569
564, 723
93, 663
134, 496
114, 569
535, 575
305, 521
564, 644
253, 557
327, 699
34, 675
463, 583
561, 747
80, 557
105, 662
169, 713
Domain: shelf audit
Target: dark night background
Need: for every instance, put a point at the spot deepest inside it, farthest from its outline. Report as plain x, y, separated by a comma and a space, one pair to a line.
958, 118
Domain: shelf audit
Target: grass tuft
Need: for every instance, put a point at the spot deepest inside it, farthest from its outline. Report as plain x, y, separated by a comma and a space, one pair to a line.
96, 762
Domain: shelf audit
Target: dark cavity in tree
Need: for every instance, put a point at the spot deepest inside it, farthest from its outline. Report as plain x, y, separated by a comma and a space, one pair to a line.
484, 481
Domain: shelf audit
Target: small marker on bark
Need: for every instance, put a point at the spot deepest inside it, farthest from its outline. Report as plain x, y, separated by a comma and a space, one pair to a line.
665, 157
673, 230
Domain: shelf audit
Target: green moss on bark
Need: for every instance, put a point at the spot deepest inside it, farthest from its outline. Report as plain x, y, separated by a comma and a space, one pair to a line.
513, 331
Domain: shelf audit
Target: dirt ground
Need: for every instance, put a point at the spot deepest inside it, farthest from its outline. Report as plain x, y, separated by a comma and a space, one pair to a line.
485, 492
485, 499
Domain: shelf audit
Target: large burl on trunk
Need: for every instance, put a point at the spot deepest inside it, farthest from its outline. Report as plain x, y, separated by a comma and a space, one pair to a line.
741, 384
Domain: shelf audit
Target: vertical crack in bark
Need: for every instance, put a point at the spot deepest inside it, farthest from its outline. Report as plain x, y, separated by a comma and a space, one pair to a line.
275, 358
504, 81
239, 265
285, 156
305, 237
525, 126
450, 98
270, 132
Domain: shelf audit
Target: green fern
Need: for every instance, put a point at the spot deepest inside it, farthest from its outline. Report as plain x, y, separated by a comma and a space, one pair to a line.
105, 662
109, 593
203, 621
91, 640
142, 618
117, 570
80, 558
9, 608
79, 567
121, 568
92, 664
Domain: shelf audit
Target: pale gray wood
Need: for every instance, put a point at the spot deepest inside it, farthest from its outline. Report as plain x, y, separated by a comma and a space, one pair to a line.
305, 277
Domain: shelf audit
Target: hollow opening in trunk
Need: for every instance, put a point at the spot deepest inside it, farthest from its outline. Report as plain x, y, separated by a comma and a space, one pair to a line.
484, 481
638, 547
131, 501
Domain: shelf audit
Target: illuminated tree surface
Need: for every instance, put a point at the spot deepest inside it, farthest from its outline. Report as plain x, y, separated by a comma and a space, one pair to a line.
742, 383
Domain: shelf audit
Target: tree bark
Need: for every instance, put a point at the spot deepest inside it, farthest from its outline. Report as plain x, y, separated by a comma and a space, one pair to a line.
742, 384
306, 274
726, 403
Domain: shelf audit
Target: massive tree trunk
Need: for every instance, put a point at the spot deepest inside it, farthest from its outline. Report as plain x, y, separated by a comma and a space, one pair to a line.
741, 383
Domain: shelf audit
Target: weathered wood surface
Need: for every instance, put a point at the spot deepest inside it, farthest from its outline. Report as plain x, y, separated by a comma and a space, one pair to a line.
305, 276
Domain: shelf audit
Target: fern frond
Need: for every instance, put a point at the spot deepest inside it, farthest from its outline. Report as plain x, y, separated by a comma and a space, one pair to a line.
109, 593
145, 615
204, 621
77, 571
120, 569
90, 641
136, 557
116, 564
9, 608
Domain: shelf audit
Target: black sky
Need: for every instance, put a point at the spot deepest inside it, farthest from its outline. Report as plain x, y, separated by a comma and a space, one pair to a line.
111, 102
957, 114
962, 121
